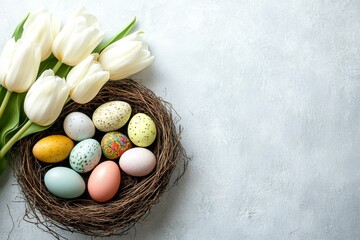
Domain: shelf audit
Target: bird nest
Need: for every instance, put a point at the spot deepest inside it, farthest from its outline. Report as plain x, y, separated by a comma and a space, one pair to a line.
136, 195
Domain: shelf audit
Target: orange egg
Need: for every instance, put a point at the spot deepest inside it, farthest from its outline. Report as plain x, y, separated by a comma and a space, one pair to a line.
53, 149
104, 181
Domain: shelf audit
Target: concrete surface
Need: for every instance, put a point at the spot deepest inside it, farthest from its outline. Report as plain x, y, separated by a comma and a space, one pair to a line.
268, 92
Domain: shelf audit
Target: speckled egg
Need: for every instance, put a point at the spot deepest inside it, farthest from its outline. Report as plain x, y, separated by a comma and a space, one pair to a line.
114, 144
53, 149
78, 126
111, 116
85, 155
142, 130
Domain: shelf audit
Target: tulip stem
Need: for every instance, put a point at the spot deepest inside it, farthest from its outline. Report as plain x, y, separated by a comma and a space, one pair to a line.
14, 139
57, 66
5, 102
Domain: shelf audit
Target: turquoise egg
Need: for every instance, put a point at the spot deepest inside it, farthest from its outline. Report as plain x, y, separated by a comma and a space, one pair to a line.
64, 182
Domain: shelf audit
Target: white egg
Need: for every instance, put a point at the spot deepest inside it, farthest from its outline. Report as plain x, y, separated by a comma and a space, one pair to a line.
78, 126
85, 155
137, 162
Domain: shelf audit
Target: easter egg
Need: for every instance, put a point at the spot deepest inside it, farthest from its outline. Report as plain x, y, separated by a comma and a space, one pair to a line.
114, 144
85, 155
78, 126
111, 116
64, 182
142, 130
53, 149
104, 181
137, 162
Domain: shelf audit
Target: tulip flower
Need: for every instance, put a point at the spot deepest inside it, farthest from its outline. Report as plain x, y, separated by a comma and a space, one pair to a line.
86, 79
19, 64
126, 56
46, 98
78, 38
41, 27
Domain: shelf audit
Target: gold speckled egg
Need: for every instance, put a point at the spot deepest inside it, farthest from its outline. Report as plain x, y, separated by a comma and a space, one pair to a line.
111, 116
142, 130
53, 149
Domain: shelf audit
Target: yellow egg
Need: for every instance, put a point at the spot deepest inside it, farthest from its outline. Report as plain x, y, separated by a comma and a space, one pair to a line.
53, 149
142, 130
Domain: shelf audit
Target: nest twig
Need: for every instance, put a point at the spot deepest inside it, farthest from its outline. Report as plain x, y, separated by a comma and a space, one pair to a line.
136, 195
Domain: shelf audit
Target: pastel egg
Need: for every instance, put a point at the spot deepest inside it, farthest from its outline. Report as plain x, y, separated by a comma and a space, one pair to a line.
53, 149
85, 155
137, 162
104, 181
64, 182
78, 126
114, 144
142, 130
111, 116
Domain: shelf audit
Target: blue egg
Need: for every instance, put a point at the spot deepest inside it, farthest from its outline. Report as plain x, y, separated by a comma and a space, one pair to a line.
64, 182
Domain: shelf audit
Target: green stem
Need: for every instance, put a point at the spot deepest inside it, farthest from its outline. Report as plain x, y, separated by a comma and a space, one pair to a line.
14, 139
57, 66
5, 102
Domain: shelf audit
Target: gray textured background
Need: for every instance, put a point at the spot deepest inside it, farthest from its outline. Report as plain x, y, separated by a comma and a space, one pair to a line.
268, 92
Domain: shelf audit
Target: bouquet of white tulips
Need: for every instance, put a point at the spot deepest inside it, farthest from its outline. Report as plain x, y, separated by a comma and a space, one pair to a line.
43, 66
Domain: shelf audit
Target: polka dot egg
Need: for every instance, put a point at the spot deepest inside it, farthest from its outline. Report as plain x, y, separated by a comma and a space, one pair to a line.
142, 130
114, 144
85, 155
111, 116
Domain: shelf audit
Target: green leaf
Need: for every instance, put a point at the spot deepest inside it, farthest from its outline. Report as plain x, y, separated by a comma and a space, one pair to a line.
48, 63
21, 100
34, 128
63, 71
120, 35
10, 120
20, 28
2, 93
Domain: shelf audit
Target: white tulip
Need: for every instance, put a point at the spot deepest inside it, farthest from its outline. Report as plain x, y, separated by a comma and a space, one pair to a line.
19, 65
126, 57
86, 79
78, 38
46, 98
41, 27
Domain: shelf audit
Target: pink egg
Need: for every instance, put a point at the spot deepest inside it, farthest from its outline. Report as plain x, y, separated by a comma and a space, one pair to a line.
137, 162
104, 181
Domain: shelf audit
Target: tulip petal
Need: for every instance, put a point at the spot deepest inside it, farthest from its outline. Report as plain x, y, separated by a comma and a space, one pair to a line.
78, 38
46, 98
88, 88
24, 66
132, 69
6, 59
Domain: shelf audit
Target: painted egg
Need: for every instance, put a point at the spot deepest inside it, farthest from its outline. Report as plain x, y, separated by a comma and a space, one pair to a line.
142, 130
78, 126
53, 149
64, 182
85, 155
137, 162
114, 144
104, 181
111, 116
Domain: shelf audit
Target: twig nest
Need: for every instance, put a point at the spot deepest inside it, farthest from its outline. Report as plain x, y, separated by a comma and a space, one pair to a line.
136, 195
